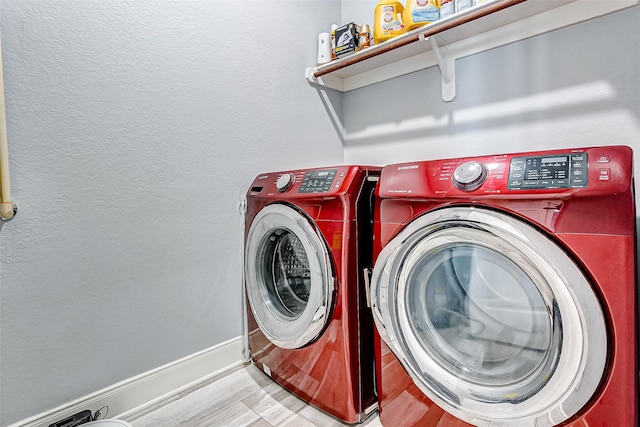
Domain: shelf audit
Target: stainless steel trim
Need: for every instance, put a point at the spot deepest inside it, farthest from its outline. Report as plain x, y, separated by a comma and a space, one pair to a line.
284, 331
576, 358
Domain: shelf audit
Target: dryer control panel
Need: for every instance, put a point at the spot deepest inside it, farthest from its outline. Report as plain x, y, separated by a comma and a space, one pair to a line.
560, 170
573, 172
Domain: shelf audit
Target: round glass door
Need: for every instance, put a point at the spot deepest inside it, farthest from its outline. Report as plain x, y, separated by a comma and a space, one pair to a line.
491, 319
288, 276
286, 273
480, 315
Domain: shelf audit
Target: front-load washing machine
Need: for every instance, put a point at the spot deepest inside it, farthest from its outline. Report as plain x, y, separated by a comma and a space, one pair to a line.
504, 290
307, 245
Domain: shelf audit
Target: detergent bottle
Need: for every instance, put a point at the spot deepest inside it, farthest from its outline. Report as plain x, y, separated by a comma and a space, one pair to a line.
387, 20
420, 12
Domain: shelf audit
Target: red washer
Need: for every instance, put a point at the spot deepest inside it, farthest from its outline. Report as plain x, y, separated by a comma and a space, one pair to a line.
308, 241
504, 290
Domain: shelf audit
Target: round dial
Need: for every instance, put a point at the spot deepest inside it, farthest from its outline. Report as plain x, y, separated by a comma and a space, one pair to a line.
285, 181
469, 176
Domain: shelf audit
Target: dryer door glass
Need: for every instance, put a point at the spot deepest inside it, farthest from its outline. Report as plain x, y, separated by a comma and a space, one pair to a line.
481, 315
288, 276
490, 317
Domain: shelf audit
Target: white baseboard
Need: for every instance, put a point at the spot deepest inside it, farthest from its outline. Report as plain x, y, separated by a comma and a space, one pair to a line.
136, 393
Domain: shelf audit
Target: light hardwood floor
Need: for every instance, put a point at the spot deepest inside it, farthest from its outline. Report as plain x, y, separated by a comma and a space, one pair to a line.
242, 397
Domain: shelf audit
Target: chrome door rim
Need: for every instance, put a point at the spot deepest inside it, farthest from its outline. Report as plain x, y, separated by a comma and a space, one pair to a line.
295, 331
572, 378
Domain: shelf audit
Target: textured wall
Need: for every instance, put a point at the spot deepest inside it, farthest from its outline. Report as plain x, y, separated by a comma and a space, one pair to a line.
135, 127
576, 86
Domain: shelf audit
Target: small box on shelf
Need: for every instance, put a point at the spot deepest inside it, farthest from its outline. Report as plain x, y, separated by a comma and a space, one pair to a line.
347, 39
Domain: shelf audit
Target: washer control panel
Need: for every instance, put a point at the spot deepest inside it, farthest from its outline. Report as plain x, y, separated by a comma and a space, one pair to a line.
320, 183
317, 181
551, 171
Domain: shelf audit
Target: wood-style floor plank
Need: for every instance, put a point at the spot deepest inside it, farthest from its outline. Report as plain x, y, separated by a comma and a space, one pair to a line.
237, 415
274, 404
243, 397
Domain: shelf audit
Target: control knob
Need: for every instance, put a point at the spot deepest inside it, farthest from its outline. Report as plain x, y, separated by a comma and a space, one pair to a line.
469, 176
284, 182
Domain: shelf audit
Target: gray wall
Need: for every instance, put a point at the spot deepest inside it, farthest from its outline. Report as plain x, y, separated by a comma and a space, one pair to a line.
135, 128
576, 86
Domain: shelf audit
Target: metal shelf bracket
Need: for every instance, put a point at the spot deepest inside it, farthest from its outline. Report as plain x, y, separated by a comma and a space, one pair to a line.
447, 65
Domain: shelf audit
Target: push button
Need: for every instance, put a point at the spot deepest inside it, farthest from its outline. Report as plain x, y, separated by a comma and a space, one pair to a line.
604, 174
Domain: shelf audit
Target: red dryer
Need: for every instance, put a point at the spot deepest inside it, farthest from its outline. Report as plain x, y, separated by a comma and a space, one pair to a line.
308, 241
504, 290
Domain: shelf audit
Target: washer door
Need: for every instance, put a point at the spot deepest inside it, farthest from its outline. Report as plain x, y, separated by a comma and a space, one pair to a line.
289, 278
491, 319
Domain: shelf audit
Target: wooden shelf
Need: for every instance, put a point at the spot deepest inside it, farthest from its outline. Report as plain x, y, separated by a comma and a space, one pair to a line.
486, 26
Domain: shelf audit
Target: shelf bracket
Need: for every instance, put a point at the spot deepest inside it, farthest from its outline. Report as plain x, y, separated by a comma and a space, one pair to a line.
447, 65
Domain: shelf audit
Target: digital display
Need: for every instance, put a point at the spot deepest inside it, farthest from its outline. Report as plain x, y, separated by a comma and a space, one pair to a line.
562, 171
556, 168
317, 181
554, 159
